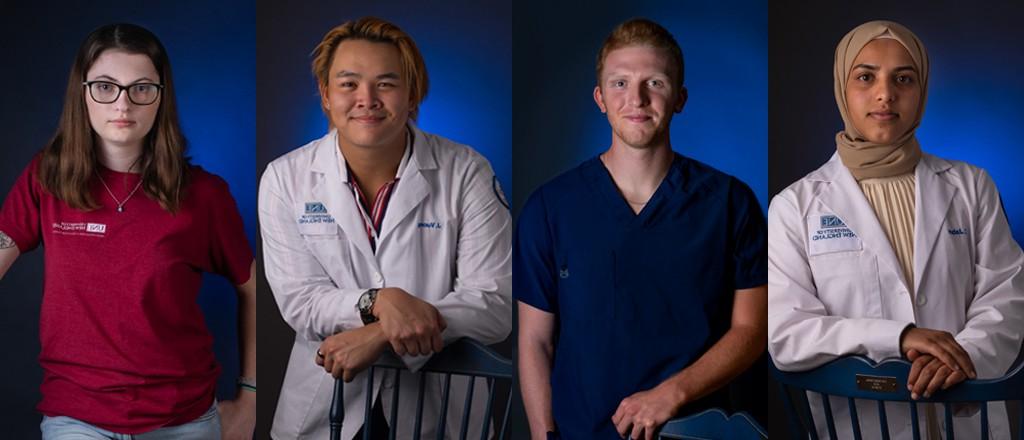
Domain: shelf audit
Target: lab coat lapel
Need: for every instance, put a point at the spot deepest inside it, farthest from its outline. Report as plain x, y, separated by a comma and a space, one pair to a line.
933, 198
412, 187
844, 196
337, 196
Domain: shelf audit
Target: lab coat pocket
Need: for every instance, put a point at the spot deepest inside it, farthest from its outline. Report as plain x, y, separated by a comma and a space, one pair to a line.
847, 283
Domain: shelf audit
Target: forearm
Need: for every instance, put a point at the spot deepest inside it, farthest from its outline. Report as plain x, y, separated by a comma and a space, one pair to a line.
535, 385
731, 355
247, 330
8, 253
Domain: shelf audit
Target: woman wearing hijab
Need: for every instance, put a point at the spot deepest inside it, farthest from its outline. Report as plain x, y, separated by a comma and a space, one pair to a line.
128, 226
886, 251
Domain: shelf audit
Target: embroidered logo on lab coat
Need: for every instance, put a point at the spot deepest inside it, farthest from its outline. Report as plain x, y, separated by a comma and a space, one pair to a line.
828, 233
429, 225
957, 231
315, 212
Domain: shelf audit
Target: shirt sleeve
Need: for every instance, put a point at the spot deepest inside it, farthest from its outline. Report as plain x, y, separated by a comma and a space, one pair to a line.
534, 261
750, 238
309, 300
19, 217
230, 254
995, 317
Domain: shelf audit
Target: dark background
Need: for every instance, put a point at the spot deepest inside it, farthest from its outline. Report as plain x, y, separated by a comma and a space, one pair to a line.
973, 111
467, 47
211, 47
556, 124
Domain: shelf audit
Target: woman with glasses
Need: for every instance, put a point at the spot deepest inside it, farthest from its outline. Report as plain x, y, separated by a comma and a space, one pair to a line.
129, 225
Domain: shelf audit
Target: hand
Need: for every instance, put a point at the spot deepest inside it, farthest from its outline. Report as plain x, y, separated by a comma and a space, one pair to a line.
348, 353
941, 345
928, 374
238, 417
412, 326
643, 413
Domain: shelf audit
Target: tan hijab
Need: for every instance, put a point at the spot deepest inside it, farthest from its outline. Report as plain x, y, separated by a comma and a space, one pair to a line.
864, 158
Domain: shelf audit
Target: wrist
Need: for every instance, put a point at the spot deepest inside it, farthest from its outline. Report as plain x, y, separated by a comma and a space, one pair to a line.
677, 391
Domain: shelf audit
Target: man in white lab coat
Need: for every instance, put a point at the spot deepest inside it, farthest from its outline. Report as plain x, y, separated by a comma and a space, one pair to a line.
379, 236
888, 252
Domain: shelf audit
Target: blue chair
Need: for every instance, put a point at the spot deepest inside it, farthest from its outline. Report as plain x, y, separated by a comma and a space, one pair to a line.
713, 424
856, 377
464, 357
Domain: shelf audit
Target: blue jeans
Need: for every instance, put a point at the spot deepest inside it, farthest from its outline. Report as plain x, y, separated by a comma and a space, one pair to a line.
206, 427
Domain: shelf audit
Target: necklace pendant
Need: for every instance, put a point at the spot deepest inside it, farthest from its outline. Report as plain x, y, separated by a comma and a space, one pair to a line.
120, 209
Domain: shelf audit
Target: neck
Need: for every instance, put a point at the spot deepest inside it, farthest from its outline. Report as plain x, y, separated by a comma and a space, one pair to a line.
120, 158
637, 172
374, 166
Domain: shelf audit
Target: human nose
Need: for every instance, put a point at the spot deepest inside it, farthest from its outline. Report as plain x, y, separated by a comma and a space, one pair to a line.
123, 102
636, 95
886, 91
367, 97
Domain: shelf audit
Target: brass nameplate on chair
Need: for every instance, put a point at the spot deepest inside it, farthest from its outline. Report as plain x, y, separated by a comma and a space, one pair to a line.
881, 384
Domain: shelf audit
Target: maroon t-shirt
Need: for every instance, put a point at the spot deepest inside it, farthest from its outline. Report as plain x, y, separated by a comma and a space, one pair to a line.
124, 343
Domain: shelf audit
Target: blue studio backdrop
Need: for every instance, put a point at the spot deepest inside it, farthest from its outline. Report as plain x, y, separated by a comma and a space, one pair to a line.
556, 125
467, 48
212, 52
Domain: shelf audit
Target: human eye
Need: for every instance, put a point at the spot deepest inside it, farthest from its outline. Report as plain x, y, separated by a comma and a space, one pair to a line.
864, 77
143, 88
386, 85
103, 86
656, 83
347, 84
905, 79
618, 83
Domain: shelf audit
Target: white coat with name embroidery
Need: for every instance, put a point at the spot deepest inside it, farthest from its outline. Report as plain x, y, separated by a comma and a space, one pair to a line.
445, 238
835, 286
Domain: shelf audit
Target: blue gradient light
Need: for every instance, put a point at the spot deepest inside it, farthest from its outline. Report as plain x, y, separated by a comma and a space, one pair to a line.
724, 122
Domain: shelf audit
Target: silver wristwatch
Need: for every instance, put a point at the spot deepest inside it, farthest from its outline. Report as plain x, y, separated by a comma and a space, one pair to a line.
365, 306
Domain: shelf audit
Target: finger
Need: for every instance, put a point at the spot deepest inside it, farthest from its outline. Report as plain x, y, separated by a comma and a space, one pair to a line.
438, 343
623, 427
399, 347
328, 363
940, 377
953, 379
318, 359
638, 431
649, 432
915, 371
913, 354
963, 359
347, 375
942, 351
337, 370
924, 379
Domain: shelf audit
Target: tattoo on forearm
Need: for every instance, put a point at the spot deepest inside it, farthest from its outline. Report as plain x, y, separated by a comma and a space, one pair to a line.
5, 241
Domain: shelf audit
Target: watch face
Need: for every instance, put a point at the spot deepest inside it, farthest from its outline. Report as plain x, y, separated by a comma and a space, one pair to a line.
364, 302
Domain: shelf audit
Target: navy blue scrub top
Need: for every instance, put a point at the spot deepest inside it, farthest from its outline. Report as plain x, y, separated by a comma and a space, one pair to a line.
636, 297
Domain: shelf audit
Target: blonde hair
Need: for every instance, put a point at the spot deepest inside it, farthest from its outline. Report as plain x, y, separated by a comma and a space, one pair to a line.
642, 32
373, 29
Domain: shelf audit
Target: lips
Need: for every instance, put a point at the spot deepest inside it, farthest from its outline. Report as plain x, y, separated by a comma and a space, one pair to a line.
637, 118
122, 122
368, 119
884, 115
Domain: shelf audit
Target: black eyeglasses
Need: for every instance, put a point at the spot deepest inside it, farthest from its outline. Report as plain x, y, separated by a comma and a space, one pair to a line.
106, 92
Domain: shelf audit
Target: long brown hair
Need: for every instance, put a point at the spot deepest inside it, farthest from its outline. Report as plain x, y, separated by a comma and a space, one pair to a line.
69, 162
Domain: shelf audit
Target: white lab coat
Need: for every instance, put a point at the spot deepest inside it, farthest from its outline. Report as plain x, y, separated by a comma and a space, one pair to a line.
446, 238
835, 286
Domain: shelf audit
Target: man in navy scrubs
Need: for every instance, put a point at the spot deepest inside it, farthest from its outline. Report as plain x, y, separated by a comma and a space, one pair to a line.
641, 274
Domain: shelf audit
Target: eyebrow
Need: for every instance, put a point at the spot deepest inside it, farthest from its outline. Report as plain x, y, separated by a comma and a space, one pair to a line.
349, 74
112, 79
873, 68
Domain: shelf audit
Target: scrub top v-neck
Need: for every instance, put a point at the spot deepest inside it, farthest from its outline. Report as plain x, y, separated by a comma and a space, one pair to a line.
637, 296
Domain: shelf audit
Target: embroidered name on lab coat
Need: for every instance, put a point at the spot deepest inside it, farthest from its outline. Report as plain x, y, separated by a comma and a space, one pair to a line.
828, 233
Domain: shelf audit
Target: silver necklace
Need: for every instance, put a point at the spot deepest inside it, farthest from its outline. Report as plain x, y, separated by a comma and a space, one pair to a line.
120, 203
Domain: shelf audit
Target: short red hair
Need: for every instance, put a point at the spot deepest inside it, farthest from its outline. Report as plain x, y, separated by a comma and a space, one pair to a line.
642, 32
